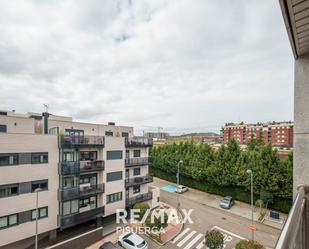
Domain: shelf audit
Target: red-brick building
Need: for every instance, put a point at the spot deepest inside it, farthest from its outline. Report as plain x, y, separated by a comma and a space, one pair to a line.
275, 133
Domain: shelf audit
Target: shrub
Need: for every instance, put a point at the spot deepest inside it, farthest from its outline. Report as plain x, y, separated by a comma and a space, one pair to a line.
214, 239
143, 207
157, 222
249, 244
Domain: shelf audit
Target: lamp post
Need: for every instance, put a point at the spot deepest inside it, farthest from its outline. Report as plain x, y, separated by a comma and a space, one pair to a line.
37, 190
249, 171
178, 165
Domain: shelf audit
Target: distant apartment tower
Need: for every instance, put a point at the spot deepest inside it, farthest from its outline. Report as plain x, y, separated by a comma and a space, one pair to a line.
85, 172
275, 133
156, 135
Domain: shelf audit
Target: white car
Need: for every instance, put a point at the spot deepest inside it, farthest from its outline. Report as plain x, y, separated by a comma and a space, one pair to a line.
181, 189
132, 241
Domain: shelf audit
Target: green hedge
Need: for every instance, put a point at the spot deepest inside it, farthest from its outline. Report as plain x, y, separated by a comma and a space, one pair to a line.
279, 204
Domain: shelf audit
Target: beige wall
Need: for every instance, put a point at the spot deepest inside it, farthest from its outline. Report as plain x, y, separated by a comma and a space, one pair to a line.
15, 143
114, 143
90, 129
18, 124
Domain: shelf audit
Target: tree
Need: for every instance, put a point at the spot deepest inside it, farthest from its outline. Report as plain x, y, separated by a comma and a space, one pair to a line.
249, 244
214, 239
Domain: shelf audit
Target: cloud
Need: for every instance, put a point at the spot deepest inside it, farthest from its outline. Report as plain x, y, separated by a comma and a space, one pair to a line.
176, 63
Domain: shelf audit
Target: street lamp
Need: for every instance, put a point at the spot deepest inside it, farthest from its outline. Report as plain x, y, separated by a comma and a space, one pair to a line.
37, 190
178, 165
249, 171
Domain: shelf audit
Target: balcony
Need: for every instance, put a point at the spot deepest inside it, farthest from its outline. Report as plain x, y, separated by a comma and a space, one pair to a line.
82, 191
137, 161
97, 165
82, 141
69, 168
295, 233
138, 142
140, 198
129, 182
75, 219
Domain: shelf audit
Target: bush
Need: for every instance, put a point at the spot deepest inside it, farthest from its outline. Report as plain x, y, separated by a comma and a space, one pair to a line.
249, 244
157, 222
214, 239
143, 207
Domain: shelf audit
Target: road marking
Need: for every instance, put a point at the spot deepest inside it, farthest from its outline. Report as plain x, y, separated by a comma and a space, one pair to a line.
201, 244
225, 231
196, 239
181, 243
181, 235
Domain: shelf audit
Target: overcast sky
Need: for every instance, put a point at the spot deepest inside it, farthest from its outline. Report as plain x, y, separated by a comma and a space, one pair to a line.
184, 65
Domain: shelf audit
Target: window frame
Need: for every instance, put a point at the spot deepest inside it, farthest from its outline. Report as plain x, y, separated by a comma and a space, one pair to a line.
39, 211
9, 186
139, 171
136, 189
10, 155
138, 154
8, 225
5, 128
109, 153
111, 198
39, 182
39, 154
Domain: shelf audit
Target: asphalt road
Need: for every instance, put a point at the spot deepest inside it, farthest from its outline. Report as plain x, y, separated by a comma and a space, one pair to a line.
206, 218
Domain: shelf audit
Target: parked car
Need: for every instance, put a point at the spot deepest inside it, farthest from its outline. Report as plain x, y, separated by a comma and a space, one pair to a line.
227, 202
108, 245
181, 189
132, 241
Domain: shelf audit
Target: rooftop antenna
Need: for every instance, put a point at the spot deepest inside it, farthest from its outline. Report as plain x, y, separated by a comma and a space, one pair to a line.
46, 106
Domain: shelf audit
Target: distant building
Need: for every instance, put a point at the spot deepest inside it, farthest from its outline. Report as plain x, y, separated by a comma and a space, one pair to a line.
206, 137
156, 135
275, 133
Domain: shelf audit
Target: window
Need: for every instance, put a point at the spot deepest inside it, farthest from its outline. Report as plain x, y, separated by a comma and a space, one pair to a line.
68, 156
74, 133
42, 184
8, 159
136, 171
136, 153
40, 157
114, 176
54, 131
88, 155
136, 189
8, 221
70, 207
114, 197
114, 154
2, 128
109, 133
91, 201
84, 179
69, 182
43, 213
8, 190
125, 134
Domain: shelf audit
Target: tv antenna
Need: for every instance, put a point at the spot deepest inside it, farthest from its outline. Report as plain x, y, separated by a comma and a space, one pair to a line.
46, 106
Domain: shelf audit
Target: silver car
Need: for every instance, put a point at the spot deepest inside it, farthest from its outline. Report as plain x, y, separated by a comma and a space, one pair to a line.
227, 202
132, 241
181, 189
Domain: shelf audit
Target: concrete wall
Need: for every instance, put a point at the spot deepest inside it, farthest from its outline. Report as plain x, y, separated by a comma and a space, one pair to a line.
13, 143
18, 124
114, 143
301, 123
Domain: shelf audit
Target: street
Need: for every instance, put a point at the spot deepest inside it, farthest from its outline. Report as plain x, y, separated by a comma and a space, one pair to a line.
206, 218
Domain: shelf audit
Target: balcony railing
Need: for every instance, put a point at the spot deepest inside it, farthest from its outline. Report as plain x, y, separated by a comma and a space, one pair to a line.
138, 142
82, 191
140, 198
138, 180
136, 161
75, 219
96, 165
295, 233
69, 168
82, 141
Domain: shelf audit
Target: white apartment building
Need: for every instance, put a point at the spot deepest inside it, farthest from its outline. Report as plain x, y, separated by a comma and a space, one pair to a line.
85, 172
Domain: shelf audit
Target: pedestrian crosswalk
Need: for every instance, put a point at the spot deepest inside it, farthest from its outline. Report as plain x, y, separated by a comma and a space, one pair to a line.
189, 239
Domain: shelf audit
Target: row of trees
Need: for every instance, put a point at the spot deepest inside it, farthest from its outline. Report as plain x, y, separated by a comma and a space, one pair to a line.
227, 165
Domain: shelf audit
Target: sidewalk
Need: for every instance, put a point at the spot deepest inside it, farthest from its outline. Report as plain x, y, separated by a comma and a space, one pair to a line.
240, 208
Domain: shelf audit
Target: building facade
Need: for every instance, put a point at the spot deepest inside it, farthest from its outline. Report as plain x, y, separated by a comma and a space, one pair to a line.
83, 171
275, 133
